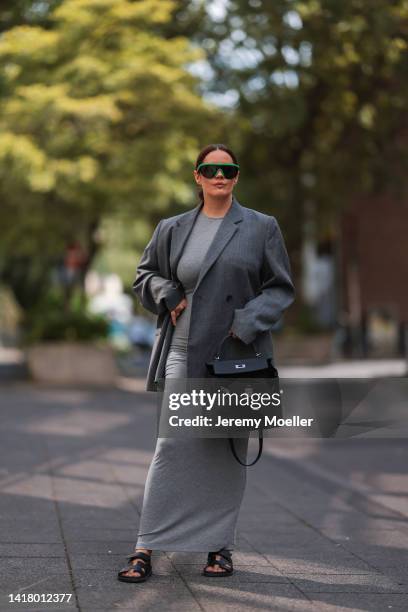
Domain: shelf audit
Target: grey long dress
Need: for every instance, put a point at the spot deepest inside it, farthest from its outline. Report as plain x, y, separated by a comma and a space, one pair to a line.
194, 487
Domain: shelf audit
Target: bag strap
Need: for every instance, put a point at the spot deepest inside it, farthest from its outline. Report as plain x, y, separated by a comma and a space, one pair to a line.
229, 337
234, 452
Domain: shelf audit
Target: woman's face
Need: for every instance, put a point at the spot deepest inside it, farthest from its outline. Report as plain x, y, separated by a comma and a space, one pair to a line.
218, 186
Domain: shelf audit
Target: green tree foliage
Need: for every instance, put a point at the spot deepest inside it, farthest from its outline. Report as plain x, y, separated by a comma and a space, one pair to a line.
16, 12
98, 114
320, 92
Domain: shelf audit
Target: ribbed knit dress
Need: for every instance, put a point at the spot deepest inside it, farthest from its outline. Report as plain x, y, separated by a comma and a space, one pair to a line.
194, 486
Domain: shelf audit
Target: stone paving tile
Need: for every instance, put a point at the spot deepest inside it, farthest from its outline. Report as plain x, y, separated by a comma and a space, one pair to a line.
323, 552
394, 535
398, 573
28, 549
89, 494
22, 577
379, 556
20, 507
248, 558
23, 486
359, 602
105, 547
301, 540
305, 539
250, 597
86, 534
268, 510
241, 575
242, 544
345, 583
187, 558
25, 509
294, 562
117, 520
24, 566
149, 596
20, 531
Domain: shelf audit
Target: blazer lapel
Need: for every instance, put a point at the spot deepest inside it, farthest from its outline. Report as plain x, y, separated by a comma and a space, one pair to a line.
183, 227
228, 227
181, 232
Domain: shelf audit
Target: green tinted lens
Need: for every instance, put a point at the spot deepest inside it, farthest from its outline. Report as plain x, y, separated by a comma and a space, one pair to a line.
229, 171
208, 170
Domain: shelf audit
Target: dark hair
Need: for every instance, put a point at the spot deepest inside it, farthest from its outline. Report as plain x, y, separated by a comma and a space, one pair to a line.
204, 152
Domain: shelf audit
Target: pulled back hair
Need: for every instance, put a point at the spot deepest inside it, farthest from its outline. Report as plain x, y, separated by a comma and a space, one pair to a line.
204, 152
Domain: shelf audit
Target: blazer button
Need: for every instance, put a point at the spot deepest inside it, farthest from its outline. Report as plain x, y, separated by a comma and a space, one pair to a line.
228, 298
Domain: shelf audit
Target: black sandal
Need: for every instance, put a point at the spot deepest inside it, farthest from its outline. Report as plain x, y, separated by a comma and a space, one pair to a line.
145, 569
225, 562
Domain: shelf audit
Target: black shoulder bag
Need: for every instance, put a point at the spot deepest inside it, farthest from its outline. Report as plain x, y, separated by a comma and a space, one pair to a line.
253, 366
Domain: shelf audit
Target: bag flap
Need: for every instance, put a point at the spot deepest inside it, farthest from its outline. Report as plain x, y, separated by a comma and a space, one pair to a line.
240, 367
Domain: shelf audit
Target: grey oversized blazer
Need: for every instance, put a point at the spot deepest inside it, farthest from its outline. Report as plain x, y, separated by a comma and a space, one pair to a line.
244, 283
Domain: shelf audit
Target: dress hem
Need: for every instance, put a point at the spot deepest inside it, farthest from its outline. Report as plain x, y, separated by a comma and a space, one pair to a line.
171, 548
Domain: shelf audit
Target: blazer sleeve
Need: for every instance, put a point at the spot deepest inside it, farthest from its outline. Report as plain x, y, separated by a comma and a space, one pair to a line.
156, 293
277, 291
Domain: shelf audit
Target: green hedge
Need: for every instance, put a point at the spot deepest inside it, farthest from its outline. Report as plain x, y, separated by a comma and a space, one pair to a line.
55, 321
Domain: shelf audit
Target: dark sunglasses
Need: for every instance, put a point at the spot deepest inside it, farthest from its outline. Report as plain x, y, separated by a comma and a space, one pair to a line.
229, 171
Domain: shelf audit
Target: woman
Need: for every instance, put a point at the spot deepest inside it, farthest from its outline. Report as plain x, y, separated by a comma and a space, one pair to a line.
217, 269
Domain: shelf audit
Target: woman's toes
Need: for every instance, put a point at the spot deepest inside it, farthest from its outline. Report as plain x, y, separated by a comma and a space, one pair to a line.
134, 572
215, 568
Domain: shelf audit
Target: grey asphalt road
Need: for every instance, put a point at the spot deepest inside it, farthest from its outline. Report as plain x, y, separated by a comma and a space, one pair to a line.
323, 526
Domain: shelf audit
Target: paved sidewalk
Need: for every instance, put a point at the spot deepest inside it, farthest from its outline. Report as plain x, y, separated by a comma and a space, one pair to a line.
323, 526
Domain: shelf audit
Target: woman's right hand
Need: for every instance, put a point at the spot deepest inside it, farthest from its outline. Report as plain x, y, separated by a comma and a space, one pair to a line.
178, 310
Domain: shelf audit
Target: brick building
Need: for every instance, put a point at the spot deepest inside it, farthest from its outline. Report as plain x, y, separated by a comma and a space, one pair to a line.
373, 262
